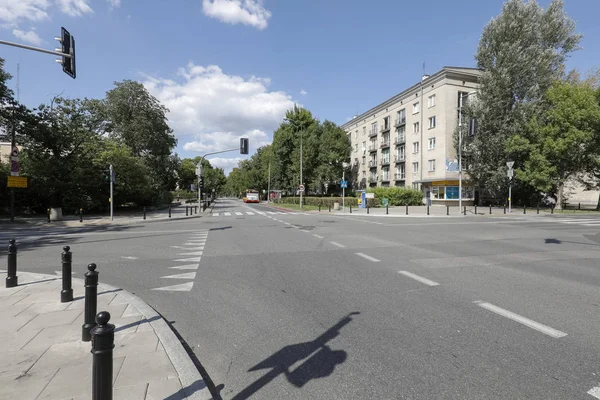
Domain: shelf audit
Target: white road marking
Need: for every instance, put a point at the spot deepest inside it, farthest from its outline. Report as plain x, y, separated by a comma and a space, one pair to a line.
194, 253
185, 275
215, 214
317, 236
523, 320
249, 213
195, 259
416, 277
337, 244
595, 391
129, 257
227, 214
287, 223
304, 230
195, 245
238, 213
271, 212
179, 247
186, 266
184, 287
367, 257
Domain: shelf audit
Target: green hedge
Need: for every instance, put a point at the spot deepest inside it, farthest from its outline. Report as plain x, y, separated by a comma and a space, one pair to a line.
324, 201
398, 196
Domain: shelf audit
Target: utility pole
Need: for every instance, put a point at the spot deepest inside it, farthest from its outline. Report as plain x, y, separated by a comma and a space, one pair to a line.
269, 185
301, 181
111, 200
13, 146
510, 165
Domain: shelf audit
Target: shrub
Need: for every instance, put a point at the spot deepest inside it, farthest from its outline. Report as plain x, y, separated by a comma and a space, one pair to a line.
398, 196
324, 201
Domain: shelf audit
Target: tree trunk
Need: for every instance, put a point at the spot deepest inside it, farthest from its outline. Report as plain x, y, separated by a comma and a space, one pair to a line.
559, 196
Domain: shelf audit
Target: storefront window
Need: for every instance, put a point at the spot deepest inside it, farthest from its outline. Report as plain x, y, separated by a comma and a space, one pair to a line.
437, 192
452, 192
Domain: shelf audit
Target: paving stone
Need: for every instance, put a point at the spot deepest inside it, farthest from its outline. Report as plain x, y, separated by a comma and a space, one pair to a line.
41, 308
54, 335
53, 319
12, 299
12, 341
10, 310
27, 387
75, 381
170, 389
64, 354
15, 362
13, 324
135, 343
147, 367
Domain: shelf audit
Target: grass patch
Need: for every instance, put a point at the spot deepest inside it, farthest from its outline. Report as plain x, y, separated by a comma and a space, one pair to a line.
296, 207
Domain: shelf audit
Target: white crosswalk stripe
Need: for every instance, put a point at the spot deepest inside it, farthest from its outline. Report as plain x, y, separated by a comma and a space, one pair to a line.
256, 213
572, 221
238, 213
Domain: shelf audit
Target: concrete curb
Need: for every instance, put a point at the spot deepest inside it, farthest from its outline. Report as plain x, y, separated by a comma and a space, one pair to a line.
189, 375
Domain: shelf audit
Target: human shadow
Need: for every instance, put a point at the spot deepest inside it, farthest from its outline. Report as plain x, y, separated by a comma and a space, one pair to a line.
187, 391
321, 363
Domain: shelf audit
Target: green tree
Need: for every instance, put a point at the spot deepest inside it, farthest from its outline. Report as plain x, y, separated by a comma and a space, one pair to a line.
562, 143
334, 150
521, 54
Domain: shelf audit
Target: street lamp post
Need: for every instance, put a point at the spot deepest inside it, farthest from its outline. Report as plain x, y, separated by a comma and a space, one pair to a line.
460, 174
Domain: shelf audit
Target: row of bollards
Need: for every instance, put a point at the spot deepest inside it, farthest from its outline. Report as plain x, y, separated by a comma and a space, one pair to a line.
96, 327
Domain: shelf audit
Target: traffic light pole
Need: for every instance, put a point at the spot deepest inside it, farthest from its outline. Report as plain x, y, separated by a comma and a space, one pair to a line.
24, 46
200, 179
111, 201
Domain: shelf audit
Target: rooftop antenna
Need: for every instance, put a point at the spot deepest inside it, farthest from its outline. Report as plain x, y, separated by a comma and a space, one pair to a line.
18, 82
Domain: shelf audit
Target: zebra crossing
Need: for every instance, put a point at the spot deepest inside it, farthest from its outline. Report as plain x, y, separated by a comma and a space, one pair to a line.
254, 213
187, 259
583, 221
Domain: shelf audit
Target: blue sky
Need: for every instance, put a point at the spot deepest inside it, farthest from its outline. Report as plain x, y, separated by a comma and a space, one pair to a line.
230, 68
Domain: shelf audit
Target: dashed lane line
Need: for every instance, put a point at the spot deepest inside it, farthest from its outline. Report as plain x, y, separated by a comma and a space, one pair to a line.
522, 320
367, 257
418, 278
337, 244
185, 275
317, 236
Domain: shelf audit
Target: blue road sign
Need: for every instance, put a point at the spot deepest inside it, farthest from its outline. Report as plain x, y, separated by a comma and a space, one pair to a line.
344, 184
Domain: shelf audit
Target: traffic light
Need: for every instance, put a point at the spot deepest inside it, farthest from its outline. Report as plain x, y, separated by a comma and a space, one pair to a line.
243, 146
472, 127
68, 47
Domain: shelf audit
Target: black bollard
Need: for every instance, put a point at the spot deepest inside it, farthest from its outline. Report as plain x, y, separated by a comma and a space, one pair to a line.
81, 215
330, 208
475, 209
66, 294
320, 207
144, 212
350, 208
427, 209
367, 208
551, 209
186, 211
48, 215
464, 210
407, 210
524, 209
169, 211
447, 210
538, 208
12, 280
490, 209
103, 344
386, 210
91, 302
505, 209
196, 208
579, 207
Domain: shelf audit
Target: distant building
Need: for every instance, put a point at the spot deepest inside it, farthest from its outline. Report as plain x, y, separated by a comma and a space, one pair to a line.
408, 139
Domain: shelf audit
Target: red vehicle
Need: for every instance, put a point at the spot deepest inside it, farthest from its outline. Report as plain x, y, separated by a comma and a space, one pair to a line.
252, 196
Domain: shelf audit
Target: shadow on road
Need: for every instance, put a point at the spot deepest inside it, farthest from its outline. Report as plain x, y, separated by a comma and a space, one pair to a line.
320, 361
595, 238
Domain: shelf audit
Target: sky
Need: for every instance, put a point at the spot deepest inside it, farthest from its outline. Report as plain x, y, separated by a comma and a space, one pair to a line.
231, 68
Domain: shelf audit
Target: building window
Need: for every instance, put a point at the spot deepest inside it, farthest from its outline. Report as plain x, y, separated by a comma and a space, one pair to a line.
356, 161
415, 167
356, 134
431, 166
415, 147
432, 122
355, 146
386, 174
364, 130
431, 143
401, 172
401, 153
416, 127
363, 160
416, 108
437, 192
386, 123
431, 101
374, 128
385, 155
364, 148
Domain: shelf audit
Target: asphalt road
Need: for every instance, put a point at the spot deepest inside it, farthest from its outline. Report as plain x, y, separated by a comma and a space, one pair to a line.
321, 306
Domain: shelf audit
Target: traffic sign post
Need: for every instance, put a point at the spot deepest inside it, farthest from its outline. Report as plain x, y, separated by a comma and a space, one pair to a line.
301, 188
510, 174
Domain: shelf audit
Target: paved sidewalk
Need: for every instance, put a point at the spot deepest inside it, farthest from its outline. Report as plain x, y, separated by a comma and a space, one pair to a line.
438, 211
42, 355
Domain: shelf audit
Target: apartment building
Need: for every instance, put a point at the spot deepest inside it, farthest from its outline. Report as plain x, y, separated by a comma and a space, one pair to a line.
408, 139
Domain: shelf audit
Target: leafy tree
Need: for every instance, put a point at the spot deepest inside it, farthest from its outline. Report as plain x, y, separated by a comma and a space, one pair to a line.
521, 54
562, 143
334, 150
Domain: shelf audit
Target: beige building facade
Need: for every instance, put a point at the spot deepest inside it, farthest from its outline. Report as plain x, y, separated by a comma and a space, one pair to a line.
408, 140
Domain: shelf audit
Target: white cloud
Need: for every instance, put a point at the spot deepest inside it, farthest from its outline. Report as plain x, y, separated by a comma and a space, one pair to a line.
303, 92
29, 37
15, 11
218, 141
74, 8
114, 3
226, 163
247, 12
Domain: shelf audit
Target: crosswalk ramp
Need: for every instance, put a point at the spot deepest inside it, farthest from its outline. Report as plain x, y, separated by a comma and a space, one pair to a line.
253, 213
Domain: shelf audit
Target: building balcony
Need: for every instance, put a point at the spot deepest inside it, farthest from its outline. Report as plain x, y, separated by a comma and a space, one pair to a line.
400, 121
373, 148
384, 128
400, 177
385, 162
399, 159
400, 140
385, 144
373, 164
373, 134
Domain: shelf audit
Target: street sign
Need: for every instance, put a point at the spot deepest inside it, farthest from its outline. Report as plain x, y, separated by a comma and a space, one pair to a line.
511, 173
384, 202
344, 184
17, 182
15, 152
510, 164
301, 188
